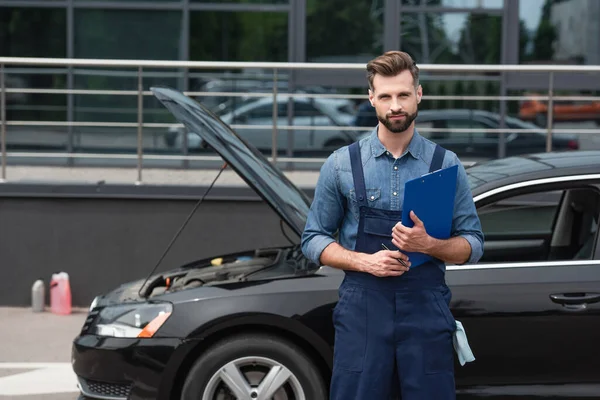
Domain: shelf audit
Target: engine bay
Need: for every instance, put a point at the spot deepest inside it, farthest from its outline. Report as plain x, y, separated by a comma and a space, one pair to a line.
257, 265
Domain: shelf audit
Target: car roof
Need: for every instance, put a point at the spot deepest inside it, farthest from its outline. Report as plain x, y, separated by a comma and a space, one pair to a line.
284, 98
454, 113
505, 171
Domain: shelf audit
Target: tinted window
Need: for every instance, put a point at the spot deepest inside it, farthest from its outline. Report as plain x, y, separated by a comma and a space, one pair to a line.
263, 111
305, 110
301, 109
546, 225
521, 214
455, 130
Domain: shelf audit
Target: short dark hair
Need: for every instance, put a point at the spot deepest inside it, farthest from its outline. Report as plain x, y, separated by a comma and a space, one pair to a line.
392, 63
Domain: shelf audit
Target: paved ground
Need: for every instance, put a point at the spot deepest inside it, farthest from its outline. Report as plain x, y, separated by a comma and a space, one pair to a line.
35, 351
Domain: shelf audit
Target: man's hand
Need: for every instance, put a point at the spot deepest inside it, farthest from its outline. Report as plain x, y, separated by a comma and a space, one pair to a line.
413, 239
384, 263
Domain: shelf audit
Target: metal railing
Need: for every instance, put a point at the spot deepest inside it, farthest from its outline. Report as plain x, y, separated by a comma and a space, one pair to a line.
143, 65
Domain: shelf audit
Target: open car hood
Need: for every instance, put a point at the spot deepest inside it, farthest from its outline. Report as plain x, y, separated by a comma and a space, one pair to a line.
268, 181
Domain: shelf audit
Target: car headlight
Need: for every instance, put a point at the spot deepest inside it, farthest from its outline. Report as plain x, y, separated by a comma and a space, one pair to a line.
132, 320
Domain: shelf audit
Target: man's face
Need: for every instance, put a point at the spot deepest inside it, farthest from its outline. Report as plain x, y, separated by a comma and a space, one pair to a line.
395, 100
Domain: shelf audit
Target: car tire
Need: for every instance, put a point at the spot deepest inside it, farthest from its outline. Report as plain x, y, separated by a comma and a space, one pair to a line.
254, 356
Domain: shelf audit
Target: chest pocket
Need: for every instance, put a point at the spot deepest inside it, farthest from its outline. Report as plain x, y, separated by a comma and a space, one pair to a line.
373, 200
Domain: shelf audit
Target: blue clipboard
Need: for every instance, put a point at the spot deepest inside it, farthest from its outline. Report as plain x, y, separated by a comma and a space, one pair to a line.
431, 197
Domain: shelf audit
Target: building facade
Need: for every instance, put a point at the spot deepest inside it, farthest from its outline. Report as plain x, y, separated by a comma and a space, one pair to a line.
433, 31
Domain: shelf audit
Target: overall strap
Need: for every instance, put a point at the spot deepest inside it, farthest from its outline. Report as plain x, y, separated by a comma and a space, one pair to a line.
438, 158
357, 174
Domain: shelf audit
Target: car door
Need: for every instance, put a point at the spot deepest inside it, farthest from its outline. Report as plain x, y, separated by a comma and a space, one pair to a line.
258, 118
308, 119
532, 315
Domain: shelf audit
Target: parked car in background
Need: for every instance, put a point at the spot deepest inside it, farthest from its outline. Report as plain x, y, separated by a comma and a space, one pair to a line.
478, 143
223, 103
259, 325
562, 111
309, 115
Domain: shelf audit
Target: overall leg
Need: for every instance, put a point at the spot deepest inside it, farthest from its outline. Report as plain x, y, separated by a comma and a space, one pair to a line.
425, 355
364, 346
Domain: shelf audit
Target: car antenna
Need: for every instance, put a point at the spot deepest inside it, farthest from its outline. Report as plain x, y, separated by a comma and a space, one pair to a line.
181, 229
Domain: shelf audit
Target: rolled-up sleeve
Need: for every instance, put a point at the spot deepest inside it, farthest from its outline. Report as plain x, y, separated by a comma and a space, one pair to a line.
466, 222
325, 214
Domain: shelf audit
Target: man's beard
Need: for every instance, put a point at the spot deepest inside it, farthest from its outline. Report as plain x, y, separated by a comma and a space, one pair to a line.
398, 126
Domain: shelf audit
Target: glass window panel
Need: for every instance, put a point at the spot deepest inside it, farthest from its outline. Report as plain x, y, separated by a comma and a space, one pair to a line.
121, 108
243, 1
521, 214
436, 92
127, 34
122, 34
134, 1
238, 36
343, 31
455, 3
34, 32
452, 38
559, 32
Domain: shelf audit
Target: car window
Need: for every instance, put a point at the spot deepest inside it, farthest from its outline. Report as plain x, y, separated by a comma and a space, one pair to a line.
453, 132
547, 225
305, 110
519, 215
262, 111
301, 109
468, 124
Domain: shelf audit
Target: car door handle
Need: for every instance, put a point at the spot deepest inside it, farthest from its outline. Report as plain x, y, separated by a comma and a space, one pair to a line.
575, 298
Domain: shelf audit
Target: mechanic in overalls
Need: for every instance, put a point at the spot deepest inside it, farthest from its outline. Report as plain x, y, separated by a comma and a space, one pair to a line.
393, 325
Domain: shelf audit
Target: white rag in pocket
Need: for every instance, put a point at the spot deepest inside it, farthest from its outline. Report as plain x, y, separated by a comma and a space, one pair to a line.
461, 345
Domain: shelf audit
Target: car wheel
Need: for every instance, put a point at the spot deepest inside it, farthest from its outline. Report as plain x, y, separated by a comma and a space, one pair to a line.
254, 367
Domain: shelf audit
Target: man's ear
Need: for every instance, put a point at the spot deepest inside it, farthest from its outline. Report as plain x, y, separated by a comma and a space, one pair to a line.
419, 94
371, 97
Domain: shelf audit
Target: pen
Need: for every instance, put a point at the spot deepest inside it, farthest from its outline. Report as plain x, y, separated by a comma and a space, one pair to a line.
401, 261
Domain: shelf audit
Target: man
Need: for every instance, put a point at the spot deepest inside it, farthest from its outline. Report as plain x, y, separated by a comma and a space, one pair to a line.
393, 325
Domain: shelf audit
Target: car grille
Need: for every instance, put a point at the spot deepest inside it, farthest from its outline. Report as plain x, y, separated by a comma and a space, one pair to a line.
89, 320
104, 390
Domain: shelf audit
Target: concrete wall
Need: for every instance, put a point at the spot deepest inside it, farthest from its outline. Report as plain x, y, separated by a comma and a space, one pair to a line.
106, 235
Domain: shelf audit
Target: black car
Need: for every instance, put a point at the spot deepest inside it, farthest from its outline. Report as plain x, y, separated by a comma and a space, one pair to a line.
471, 133
259, 325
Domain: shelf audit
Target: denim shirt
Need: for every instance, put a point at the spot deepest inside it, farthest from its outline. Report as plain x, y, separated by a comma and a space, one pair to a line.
334, 212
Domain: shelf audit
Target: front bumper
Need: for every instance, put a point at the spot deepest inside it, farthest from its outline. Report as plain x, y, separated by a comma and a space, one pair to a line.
126, 369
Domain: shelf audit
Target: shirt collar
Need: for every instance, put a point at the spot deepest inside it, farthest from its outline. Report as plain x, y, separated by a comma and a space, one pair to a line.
415, 146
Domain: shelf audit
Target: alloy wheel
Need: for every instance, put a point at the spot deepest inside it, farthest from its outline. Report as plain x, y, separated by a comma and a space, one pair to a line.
255, 378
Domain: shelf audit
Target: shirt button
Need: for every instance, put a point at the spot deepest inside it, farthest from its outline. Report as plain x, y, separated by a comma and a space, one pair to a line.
372, 197
395, 167
395, 194
387, 152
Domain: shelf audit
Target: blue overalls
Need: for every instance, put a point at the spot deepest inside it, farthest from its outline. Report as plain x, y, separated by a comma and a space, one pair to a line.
393, 335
